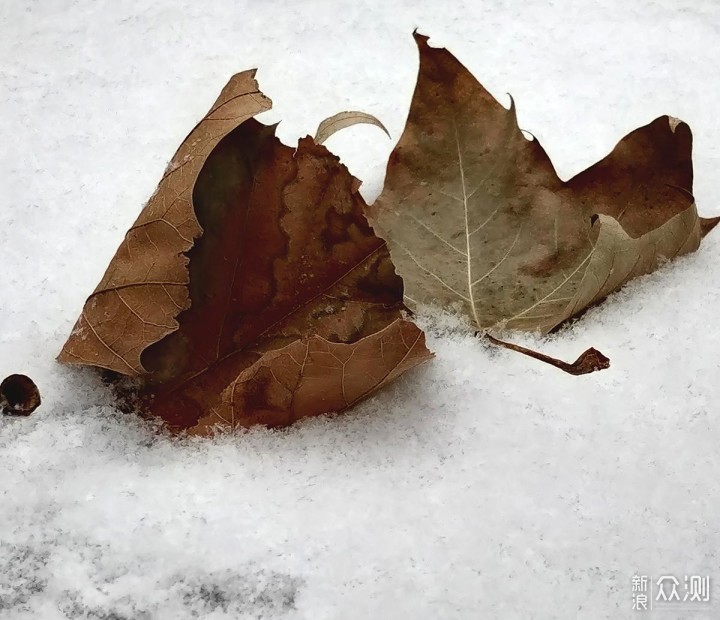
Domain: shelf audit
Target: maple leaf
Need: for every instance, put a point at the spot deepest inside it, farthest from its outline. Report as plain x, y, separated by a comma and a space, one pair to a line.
476, 217
290, 305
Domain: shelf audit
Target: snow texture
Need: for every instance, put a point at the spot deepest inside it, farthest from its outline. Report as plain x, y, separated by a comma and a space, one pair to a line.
482, 485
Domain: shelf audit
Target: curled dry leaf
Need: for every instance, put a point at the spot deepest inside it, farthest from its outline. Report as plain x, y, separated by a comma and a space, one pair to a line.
315, 375
476, 217
18, 395
290, 307
145, 286
342, 120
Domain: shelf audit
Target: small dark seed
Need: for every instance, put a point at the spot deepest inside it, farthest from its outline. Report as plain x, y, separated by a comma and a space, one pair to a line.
18, 395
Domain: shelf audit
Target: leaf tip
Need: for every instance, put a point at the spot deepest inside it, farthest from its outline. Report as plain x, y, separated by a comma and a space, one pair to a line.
420, 39
707, 224
674, 122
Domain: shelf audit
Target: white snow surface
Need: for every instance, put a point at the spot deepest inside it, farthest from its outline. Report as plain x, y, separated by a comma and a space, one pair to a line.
482, 485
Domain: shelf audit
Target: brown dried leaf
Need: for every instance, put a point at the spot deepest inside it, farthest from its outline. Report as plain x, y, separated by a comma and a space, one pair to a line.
313, 376
476, 217
341, 120
145, 286
286, 263
286, 255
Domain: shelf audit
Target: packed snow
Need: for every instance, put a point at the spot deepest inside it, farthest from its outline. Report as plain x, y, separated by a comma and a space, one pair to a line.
481, 485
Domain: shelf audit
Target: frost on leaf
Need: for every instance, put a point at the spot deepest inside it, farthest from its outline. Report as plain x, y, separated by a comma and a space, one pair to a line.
476, 217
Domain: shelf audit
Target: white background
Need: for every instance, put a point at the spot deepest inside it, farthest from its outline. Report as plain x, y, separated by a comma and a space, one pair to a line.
483, 485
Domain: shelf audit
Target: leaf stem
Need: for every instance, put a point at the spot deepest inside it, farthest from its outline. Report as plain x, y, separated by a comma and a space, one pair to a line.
589, 360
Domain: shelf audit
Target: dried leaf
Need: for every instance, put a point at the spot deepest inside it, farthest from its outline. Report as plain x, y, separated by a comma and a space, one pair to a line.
476, 217
313, 376
286, 263
286, 254
146, 284
342, 120
18, 395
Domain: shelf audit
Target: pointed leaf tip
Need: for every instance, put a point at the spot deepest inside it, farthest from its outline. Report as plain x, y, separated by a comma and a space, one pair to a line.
708, 223
421, 39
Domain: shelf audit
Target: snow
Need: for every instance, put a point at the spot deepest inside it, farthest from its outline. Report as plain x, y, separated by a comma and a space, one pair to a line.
482, 485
